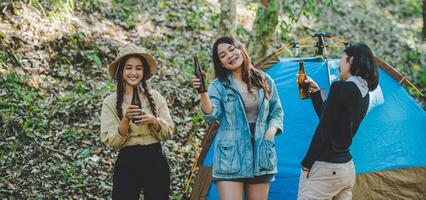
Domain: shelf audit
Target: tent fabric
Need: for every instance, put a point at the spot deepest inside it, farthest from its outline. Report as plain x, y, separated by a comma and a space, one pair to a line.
407, 183
202, 184
391, 137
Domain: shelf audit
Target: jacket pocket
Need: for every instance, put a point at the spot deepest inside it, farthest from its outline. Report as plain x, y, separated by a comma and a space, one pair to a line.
267, 155
228, 159
229, 103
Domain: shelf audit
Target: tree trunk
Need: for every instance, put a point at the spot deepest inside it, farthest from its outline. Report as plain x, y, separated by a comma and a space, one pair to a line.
264, 2
424, 19
263, 33
228, 20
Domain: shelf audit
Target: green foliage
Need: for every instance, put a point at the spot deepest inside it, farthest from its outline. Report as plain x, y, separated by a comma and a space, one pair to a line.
412, 67
20, 113
405, 8
285, 15
54, 8
84, 154
412, 8
270, 14
71, 175
214, 19
196, 20
71, 135
93, 56
125, 12
89, 5
2, 59
294, 9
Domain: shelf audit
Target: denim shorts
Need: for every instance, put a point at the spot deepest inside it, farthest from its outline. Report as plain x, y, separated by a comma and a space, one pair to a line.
267, 178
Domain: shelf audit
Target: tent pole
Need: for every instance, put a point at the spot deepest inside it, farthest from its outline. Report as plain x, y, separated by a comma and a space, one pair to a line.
394, 73
328, 72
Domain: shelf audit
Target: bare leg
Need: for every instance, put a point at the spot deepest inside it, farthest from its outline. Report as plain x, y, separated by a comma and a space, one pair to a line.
257, 191
229, 190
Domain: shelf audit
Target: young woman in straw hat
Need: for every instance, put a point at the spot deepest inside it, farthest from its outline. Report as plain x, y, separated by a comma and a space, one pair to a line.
141, 163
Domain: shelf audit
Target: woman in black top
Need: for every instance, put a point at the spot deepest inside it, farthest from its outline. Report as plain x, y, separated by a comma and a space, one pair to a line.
327, 169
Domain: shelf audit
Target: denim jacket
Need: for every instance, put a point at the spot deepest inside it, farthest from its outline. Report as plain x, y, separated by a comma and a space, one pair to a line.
234, 154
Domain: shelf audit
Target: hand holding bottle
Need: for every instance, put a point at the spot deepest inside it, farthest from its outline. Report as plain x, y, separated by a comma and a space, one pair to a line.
199, 77
146, 119
132, 113
312, 85
196, 82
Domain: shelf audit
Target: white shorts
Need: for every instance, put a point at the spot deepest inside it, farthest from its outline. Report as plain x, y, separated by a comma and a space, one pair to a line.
327, 181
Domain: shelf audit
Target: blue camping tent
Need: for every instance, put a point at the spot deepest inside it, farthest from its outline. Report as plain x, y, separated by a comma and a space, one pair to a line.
390, 141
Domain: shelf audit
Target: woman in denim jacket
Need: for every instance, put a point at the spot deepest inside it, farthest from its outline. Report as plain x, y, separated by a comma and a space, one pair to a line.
246, 103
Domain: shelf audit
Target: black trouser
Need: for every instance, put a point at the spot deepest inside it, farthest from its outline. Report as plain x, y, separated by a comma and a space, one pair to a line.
141, 168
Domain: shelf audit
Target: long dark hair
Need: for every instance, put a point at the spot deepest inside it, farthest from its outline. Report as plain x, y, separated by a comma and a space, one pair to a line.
120, 85
250, 75
363, 64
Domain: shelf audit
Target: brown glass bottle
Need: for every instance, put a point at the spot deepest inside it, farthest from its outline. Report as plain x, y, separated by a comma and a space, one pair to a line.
199, 73
135, 99
303, 87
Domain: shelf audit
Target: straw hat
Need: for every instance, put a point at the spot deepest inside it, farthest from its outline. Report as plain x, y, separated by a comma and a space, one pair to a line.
132, 50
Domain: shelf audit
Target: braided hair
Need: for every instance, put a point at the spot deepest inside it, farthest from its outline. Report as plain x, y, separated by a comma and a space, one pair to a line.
150, 98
